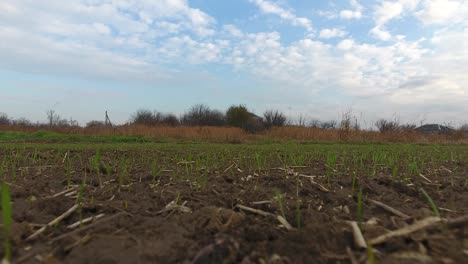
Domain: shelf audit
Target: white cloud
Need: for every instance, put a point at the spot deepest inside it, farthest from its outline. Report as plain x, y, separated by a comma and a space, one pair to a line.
380, 33
345, 44
352, 14
115, 39
233, 31
387, 11
443, 12
157, 41
332, 33
269, 7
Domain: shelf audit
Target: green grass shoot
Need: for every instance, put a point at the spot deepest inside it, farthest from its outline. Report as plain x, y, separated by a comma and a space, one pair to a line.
280, 203
431, 203
7, 219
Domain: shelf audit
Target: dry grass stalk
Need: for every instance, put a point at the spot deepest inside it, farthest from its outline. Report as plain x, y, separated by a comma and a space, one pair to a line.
359, 240
351, 256
420, 225
252, 210
280, 219
229, 134
85, 221
284, 222
53, 222
76, 231
62, 192
389, 209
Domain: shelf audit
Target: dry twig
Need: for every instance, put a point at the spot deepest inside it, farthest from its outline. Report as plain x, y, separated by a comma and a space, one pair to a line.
359, 240
425, 223
85, 221
389, 209
53, 222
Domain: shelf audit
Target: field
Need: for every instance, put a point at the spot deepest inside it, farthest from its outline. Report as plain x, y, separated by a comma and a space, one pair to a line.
264, 202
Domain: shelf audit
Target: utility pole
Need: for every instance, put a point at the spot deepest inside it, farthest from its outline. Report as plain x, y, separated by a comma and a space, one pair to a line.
107, 121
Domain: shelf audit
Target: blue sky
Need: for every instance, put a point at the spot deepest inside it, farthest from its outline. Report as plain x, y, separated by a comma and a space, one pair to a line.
403, 58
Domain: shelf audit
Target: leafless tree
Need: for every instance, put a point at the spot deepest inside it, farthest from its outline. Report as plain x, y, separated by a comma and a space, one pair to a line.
386, 126
4, 120
53, 118
274, 118
331, 124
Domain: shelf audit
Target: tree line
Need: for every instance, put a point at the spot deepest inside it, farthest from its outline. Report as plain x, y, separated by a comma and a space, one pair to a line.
234, 116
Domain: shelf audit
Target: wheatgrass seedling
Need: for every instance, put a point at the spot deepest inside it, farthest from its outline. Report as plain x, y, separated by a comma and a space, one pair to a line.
298, 215
279, 200
370, 255
96, 161
431, 202
353, 182
122, 172
177, 200
69, 169
79, 199
359, 206
7, 219
154, 171
395, 172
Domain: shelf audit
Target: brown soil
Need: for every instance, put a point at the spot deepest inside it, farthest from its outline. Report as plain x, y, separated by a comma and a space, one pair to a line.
206, 226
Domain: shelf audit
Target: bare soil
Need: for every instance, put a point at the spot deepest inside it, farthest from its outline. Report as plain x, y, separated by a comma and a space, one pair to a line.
204, 224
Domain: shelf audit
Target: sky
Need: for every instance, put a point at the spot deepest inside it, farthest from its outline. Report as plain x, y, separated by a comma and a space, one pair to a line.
404, 59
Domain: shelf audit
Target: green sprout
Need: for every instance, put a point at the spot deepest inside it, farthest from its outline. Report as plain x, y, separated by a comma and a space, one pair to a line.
7, 219
298, 214
431, 203
280, 203
359, 206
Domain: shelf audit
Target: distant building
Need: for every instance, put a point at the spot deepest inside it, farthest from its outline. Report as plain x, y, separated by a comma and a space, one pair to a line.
435, 129
255, 117
254, 124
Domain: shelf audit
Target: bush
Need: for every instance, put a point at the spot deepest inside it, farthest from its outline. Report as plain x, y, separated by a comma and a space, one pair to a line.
332, 124
95, 123
148, 118
4, 120
463, 128
170, 120
274, 119
21, 122
239, 116
386, 126
202, 115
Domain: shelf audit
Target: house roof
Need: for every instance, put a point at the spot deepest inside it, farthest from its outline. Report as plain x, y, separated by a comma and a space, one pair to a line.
434, 128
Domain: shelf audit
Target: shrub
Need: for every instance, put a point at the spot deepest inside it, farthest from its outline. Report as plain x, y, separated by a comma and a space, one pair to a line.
148, 118
332, 124
239, 116
4, 120
202, 115
464, 128
95, 123
274, 119
144, 117
21, 122
171, 120
386, 126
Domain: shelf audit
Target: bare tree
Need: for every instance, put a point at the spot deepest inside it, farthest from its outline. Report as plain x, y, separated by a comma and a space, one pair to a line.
202, 115
301, 121
464, 128
4, 120
53, 118
95, 123
315, 123
332, 124
386, 126
274, 118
